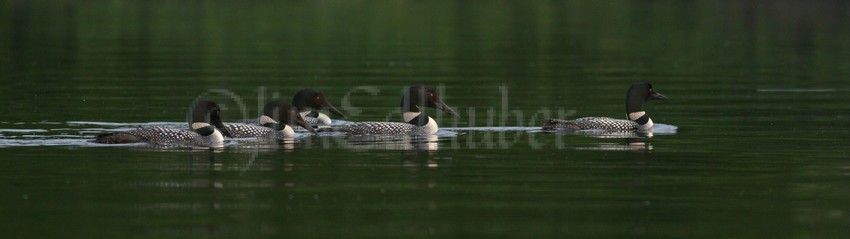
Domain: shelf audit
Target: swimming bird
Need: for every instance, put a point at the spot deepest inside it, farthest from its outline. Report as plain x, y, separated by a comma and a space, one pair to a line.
415, 121
638, 94
277, 122
309, 101
205, 123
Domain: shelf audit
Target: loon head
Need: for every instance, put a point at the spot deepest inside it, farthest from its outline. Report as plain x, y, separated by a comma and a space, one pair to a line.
283, 114
315, 100
419, 96
206, 112
638, 94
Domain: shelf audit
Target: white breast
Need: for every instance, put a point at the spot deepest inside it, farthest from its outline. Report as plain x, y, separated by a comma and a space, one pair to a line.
430, 128
287, 131
216, 138
647, 126
322, 118
644, 127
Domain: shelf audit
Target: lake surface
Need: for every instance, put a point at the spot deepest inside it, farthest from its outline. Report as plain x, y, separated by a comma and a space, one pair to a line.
758, 94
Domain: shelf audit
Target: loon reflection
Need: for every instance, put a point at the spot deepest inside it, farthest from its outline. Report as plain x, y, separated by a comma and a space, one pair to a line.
383, 142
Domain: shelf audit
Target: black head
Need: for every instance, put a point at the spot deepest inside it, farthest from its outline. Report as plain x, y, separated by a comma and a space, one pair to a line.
419, 96
638, 94
207, 111
310, 98
284, 113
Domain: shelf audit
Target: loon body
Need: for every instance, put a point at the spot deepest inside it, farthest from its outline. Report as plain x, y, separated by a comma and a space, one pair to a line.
586, 123
205, 123
240, 130
308, 103
415, 122
277, 122
638, 120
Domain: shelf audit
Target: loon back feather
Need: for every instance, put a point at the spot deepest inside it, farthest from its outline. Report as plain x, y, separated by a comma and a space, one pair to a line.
382, 128
157, 136
590, 123
238, 130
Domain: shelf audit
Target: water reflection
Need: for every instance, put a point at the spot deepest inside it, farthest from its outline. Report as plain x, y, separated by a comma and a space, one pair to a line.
384, 142
203, 173
608, 134
631, 144
633, 140
268, 145
247, 184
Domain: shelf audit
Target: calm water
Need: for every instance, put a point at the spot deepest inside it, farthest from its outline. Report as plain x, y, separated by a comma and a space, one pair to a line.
758, 91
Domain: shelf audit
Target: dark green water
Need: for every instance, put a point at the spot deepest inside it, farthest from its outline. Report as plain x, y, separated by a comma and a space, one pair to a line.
758, 91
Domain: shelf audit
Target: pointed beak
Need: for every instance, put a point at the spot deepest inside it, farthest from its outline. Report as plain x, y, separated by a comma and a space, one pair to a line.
332, 109
215, 119
445, 108
300, 121
657, 96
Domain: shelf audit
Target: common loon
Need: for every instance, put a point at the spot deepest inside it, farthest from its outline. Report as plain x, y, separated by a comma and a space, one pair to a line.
637, 95
276, 120
205, 123
309, 102
415, 122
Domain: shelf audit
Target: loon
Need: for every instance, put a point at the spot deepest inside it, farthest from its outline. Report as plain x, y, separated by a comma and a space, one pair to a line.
416, 123
637, 95
205, 123
309, 101
276, 120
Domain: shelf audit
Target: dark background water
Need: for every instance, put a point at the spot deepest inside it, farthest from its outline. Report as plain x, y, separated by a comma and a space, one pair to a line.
758, 90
